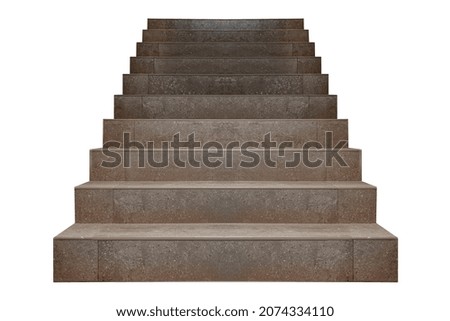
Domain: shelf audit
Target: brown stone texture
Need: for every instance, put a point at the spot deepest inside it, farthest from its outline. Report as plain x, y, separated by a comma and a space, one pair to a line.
226, 49
225, 107
135, 165
229, 252
75, 260
224, 202
226, 214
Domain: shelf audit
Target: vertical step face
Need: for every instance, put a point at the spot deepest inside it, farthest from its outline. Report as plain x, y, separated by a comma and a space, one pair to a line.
225, 162
225, 202
225, 107
226, 49
225, 252
171, 35
305, 84
225, 24
297, 132
147, 65
237, 164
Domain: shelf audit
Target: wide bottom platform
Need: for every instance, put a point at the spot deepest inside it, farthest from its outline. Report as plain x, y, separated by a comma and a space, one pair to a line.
225, 252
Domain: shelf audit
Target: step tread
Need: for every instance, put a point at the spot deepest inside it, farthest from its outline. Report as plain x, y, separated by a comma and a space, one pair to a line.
235, 150
228, 58
262, 97
266, 30
224, 75
225, 185
228, 120
225, 231
227, 42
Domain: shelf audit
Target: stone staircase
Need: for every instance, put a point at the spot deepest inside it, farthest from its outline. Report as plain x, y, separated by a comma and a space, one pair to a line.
272, 200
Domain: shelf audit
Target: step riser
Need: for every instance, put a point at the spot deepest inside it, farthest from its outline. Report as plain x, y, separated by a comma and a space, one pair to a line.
224, 24
136, 171
168, 35
225, 107
225, 66
225, 131
225, 205
233, 49
298, 260
225, 85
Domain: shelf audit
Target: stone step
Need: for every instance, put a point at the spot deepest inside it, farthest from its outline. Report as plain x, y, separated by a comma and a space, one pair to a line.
179, 35
143, 84
230, 164
225, 107
225, 49
286, 65
225, 202
224, 24
297, 131
225, 252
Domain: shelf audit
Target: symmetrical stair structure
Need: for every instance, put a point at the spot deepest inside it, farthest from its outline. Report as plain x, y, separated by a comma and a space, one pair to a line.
278, 196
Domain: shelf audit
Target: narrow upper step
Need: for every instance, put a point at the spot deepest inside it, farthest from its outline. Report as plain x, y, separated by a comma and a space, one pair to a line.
225, 49
178, 35
225, 106
211, 24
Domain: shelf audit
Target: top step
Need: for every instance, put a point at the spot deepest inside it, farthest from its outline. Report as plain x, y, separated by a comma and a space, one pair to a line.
225, 24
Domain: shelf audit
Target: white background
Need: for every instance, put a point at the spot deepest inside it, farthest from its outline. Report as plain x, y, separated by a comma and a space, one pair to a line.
61, 64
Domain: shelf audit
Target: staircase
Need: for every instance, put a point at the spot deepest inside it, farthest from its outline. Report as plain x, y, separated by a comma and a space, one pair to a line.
225, 162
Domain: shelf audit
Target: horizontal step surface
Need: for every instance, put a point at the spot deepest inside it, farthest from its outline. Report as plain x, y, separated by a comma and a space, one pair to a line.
297, 131
226, 165
213, 24
225, 252
225, 107
295, 65
227, 49
225, 202
178, 35
225, 84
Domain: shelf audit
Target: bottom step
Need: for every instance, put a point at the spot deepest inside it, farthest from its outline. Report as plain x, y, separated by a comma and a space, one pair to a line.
225, 252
